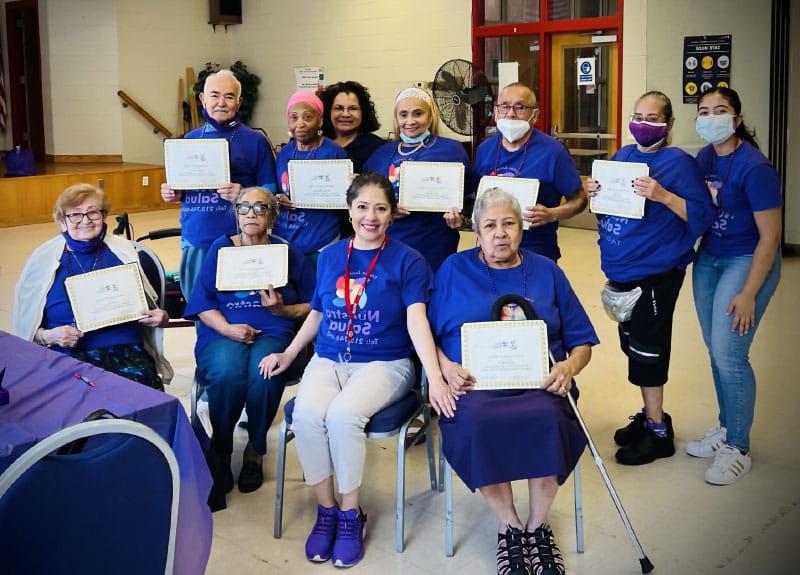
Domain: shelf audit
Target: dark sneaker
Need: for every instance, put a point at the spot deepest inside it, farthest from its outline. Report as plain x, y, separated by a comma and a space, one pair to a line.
348, 549
319, 544
631, 432
647, 449
511, 558
250, 477
543, 553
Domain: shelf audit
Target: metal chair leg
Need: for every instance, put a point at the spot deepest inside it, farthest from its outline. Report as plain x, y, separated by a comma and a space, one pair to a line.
449, 548
442, 462
576, 474
426, 418
284, 437
400, 491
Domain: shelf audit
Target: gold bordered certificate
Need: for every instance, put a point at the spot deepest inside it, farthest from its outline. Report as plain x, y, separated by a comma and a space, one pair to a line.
197, 164
106, 297
505, 354
616, 196
431, 186
246, 268
526, 190
320, 184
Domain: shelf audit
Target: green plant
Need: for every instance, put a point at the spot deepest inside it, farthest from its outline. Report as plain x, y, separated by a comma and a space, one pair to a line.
248, 80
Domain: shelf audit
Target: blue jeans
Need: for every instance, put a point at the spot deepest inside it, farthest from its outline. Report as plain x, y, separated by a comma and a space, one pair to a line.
715, 282
229, 370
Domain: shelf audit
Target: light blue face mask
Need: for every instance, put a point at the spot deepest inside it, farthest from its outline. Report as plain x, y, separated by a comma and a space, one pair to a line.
416, 139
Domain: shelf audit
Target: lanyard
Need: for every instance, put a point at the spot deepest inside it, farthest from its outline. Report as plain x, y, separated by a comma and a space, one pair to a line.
351, 306
718, 184
522, 162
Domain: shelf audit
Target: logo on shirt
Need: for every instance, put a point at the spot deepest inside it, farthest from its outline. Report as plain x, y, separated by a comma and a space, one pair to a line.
285, 182
505, 172
338, 301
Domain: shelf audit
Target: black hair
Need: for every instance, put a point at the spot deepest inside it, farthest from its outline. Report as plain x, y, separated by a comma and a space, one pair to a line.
666, 109
369, 119
371, 179
732, 97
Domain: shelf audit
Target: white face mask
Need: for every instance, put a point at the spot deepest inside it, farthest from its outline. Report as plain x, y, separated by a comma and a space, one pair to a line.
512, 129
715, 129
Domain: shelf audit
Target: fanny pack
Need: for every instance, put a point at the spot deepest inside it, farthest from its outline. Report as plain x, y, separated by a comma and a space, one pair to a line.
619, 304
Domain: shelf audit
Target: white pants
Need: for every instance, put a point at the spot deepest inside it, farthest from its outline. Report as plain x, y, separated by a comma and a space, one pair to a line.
329, 422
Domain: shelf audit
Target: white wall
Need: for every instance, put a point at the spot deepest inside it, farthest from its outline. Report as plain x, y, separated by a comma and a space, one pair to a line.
79, 77
158, 40
383, 44
668, 21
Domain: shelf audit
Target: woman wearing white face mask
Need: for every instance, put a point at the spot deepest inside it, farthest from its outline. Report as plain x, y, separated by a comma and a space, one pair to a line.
522, 151
651, 254
416, 123
736, 273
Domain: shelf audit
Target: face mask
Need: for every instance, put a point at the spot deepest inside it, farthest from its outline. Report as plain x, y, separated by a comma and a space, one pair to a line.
648, 134
715, 129
85, 246
513, 130
417, 139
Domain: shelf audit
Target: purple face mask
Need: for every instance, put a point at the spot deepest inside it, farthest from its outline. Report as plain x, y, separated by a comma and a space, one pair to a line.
648, 134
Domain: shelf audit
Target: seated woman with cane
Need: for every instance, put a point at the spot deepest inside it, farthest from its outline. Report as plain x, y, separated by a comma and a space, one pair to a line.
494, 437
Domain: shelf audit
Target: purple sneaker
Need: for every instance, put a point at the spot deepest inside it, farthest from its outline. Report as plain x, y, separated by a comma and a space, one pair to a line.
349, 546
320, 541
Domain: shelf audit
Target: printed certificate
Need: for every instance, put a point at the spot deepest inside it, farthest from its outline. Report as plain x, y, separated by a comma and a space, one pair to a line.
431, 186
320, 184
245, 268
616, 196
505, 354
526, 190
106, 297
196, 164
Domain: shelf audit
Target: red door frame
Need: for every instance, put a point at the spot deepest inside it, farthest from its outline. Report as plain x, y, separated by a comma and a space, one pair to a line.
544, 29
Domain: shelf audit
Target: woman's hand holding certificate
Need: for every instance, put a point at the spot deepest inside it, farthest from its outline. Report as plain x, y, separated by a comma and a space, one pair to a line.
431, 186
320, 184
106, 297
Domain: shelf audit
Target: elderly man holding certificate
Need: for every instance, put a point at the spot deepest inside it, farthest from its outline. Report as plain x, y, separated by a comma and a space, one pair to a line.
252, 292
83, 294
206, 204
522, 151
660, 207
495, 432
430, 175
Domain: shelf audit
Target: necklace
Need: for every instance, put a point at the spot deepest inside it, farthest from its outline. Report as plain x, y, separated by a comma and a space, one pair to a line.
416, 148
98, 258
518, 171
491, 279
719, 184
310, 154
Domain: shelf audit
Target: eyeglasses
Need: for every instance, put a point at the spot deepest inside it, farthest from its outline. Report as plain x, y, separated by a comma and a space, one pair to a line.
77, 217
349, 109
519, 109
259, 209
648, 118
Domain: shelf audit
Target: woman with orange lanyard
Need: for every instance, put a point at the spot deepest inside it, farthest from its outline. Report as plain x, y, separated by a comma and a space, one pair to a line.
368, 314
737, 270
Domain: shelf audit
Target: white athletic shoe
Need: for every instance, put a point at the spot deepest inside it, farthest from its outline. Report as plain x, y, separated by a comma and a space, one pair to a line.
728, 467
709, 444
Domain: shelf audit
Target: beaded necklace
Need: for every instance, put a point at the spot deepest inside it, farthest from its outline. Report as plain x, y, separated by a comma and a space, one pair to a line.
518, 171
491, 279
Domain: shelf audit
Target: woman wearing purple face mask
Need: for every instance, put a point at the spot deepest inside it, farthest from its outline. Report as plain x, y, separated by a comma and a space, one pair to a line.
652, 254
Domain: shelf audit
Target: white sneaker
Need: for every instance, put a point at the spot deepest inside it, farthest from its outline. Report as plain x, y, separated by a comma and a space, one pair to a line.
709, 444
728, 467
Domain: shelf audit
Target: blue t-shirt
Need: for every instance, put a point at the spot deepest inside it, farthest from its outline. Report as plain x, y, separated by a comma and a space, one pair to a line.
58, 311
245, 306
544, 159
307, 230
632, 249
749, 184
401, 278
463, 293
204, 214
426, 232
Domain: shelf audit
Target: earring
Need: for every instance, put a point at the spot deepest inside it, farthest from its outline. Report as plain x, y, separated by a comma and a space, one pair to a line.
350, 220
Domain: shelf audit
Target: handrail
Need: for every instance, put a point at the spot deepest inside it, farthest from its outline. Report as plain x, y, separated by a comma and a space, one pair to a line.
157, 126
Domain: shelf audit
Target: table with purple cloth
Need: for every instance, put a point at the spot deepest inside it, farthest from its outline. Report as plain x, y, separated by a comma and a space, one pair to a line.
45, 397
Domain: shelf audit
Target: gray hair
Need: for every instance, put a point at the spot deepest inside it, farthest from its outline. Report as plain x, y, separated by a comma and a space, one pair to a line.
225, 73
495, 197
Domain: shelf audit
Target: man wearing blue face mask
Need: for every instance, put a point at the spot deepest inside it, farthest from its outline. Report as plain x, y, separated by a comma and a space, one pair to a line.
208, 214
522, 151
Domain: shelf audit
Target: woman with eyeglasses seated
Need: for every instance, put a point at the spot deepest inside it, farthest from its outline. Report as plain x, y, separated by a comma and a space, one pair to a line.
237, 329
416, 125
42, 311
308, 230
492, 438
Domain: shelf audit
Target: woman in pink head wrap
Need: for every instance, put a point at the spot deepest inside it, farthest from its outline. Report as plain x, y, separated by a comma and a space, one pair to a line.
306, 229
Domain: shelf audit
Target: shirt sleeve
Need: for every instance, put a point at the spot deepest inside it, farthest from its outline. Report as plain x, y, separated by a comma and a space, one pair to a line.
763, 188
204, 294
417, 278
576, 328
691, 187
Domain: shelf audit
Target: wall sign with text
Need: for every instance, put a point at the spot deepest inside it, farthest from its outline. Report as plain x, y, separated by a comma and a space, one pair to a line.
706, 65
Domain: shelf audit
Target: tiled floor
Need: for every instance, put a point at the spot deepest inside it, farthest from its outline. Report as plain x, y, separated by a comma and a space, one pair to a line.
686, 526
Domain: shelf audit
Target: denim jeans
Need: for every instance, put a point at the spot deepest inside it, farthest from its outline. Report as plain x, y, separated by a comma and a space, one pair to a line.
715, 282
229, 370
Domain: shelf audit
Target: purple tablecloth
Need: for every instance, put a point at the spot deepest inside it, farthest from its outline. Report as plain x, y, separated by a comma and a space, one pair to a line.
46, 397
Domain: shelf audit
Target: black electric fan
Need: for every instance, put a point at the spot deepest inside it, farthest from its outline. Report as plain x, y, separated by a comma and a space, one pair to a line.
458, 90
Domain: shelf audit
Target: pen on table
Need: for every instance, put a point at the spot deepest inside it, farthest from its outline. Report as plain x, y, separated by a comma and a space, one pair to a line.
85, 380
